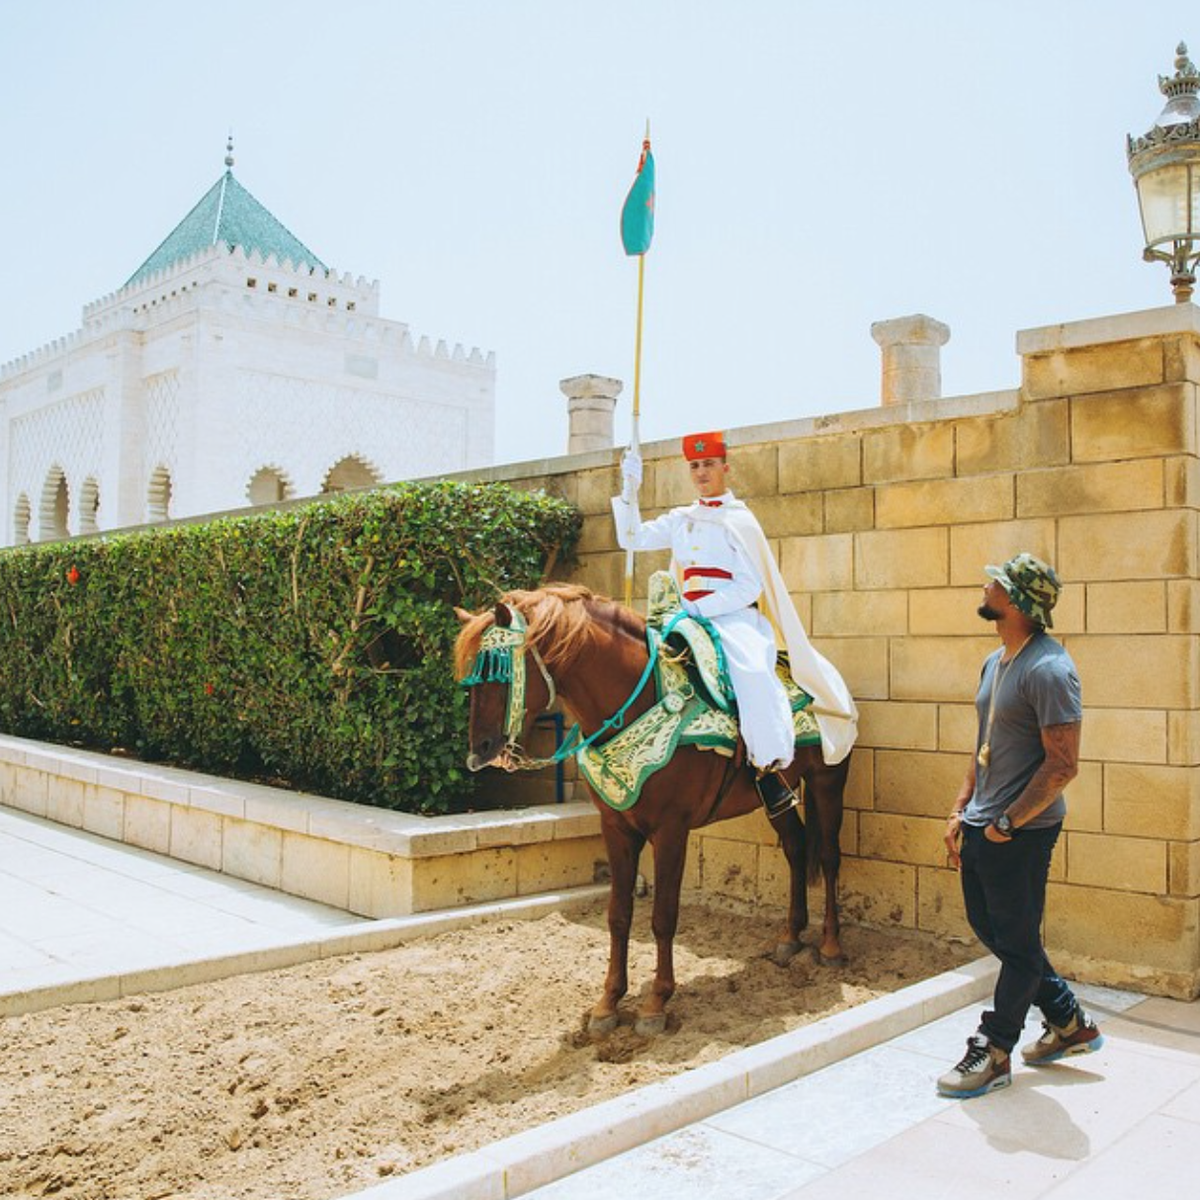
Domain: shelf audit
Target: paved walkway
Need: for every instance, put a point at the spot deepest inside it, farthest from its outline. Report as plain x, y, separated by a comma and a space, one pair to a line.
1120, 1124
75, 906
1123, 1123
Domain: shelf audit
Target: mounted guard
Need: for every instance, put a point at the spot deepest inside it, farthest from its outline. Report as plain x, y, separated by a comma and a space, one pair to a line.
729, 577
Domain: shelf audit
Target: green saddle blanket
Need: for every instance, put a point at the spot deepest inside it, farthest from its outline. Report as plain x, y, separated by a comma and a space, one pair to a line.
694, 704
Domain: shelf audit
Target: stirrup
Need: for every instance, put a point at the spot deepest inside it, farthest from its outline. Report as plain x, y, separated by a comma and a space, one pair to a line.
775, 793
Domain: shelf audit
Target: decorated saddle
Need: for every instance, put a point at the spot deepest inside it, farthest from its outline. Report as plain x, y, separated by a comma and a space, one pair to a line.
694, 703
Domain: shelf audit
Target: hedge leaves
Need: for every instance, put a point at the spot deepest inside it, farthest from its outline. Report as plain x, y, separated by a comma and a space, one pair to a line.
310, 645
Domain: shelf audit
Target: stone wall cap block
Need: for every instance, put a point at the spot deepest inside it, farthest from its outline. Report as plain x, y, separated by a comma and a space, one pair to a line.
38, 760
915, 328
264, 808
161, 787
226, 802
73, 768
583, 387
538, 828
1121, 327
345, 831
355, 826
13, 750
581, 823
942, 409
263, 799
125, 779
71, 764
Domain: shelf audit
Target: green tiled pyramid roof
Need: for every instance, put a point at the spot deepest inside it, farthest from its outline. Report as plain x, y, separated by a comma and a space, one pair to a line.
227, 214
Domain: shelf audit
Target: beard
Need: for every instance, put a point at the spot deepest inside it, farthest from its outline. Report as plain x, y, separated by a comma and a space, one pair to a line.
988, 613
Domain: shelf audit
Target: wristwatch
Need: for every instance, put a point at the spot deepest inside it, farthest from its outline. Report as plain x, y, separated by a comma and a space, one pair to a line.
1004, 825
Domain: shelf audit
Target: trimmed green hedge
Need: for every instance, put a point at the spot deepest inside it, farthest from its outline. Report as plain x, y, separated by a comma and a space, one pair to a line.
311, 645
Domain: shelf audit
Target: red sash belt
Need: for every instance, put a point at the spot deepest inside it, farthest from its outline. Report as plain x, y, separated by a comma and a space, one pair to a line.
702, 573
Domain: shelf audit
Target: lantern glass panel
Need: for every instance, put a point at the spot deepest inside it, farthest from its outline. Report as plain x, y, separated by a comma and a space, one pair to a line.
1169, 203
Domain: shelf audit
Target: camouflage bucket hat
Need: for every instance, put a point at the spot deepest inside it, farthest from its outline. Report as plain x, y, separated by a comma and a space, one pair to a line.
1031, 585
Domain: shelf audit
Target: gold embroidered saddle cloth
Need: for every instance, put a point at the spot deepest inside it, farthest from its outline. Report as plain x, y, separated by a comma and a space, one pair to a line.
694, 703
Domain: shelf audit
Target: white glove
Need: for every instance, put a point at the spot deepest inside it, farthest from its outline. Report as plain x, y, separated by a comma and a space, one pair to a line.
631, 469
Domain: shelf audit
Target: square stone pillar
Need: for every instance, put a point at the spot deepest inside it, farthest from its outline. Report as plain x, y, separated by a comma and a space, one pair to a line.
591, 403
912, 360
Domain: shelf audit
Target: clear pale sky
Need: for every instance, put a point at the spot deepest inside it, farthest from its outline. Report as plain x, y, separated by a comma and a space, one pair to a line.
820, 166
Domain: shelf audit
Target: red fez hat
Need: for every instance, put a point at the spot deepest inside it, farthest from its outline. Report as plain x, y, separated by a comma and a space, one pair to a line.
703, 445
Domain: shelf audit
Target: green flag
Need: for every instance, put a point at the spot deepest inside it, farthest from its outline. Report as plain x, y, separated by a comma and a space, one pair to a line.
637, 217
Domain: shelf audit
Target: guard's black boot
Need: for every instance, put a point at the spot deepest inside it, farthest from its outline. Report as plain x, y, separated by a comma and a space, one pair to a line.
774, 792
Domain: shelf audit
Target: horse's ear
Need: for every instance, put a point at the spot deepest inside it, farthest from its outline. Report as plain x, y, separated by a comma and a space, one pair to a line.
462, 615
504, 616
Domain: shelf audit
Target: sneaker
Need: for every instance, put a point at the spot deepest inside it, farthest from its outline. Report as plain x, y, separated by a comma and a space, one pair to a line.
984, 1068
1078, 1036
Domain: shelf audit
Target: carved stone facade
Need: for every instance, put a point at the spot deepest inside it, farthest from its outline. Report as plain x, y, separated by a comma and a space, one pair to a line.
224, 375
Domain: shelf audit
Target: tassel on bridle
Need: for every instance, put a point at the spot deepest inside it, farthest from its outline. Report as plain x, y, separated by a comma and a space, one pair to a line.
492, 665
501, 659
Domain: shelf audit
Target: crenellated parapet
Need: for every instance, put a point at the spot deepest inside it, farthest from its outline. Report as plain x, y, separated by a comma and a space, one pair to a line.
251, 271
69, 344
219, 279
42, 355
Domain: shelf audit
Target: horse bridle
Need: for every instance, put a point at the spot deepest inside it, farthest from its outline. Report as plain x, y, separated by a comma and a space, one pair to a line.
498, 661
501, 659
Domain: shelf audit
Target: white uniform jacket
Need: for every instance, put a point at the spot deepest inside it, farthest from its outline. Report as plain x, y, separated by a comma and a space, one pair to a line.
724, 566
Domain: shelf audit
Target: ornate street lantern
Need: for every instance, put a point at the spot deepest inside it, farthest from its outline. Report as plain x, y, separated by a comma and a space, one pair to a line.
1165, 165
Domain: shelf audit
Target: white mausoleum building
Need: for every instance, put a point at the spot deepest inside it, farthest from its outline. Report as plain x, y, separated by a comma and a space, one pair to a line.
232, 368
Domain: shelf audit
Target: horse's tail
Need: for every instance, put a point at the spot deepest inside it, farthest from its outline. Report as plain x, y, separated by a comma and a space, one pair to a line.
812, 835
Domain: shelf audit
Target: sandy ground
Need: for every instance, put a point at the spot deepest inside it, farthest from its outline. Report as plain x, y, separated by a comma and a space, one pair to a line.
321, 1080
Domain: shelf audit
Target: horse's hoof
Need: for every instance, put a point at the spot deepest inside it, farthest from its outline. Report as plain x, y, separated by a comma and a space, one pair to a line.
600, 1026
651, 1026
784, 952
832, 960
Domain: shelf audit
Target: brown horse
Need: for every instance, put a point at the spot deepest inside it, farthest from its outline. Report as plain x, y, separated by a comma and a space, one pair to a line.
593, 652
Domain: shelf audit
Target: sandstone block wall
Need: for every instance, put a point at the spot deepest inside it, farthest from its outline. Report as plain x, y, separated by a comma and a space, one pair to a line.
883, 521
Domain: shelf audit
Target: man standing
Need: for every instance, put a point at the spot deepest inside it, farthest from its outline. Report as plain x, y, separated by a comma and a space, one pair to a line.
1005, 821
728, 575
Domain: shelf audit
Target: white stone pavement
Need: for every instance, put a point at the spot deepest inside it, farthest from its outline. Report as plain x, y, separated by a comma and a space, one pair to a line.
1120, 1124
73, 905
84, 919
1123, 1123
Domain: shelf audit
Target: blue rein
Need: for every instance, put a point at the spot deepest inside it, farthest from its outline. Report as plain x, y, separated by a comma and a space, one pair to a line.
495, 664
570, 747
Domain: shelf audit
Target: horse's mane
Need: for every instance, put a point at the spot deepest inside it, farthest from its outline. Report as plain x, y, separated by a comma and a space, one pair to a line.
563, 619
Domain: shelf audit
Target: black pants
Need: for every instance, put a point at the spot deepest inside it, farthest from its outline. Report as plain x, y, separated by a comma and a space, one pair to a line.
1004, 889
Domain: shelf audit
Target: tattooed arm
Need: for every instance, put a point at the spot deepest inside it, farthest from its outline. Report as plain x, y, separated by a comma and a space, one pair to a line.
1059, 767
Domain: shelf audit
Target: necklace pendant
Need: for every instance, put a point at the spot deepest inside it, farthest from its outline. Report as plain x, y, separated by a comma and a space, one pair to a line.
985, 755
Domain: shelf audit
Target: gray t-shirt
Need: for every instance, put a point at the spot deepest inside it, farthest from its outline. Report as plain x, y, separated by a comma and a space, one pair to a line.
1040, 687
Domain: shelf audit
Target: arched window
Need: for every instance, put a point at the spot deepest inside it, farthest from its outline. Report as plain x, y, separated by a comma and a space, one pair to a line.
268, 485
158, 495
52, 515
21, 516
350, 472
89, 505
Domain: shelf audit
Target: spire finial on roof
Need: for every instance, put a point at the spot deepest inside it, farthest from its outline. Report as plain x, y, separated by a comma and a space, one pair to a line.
229, 151
227, 215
